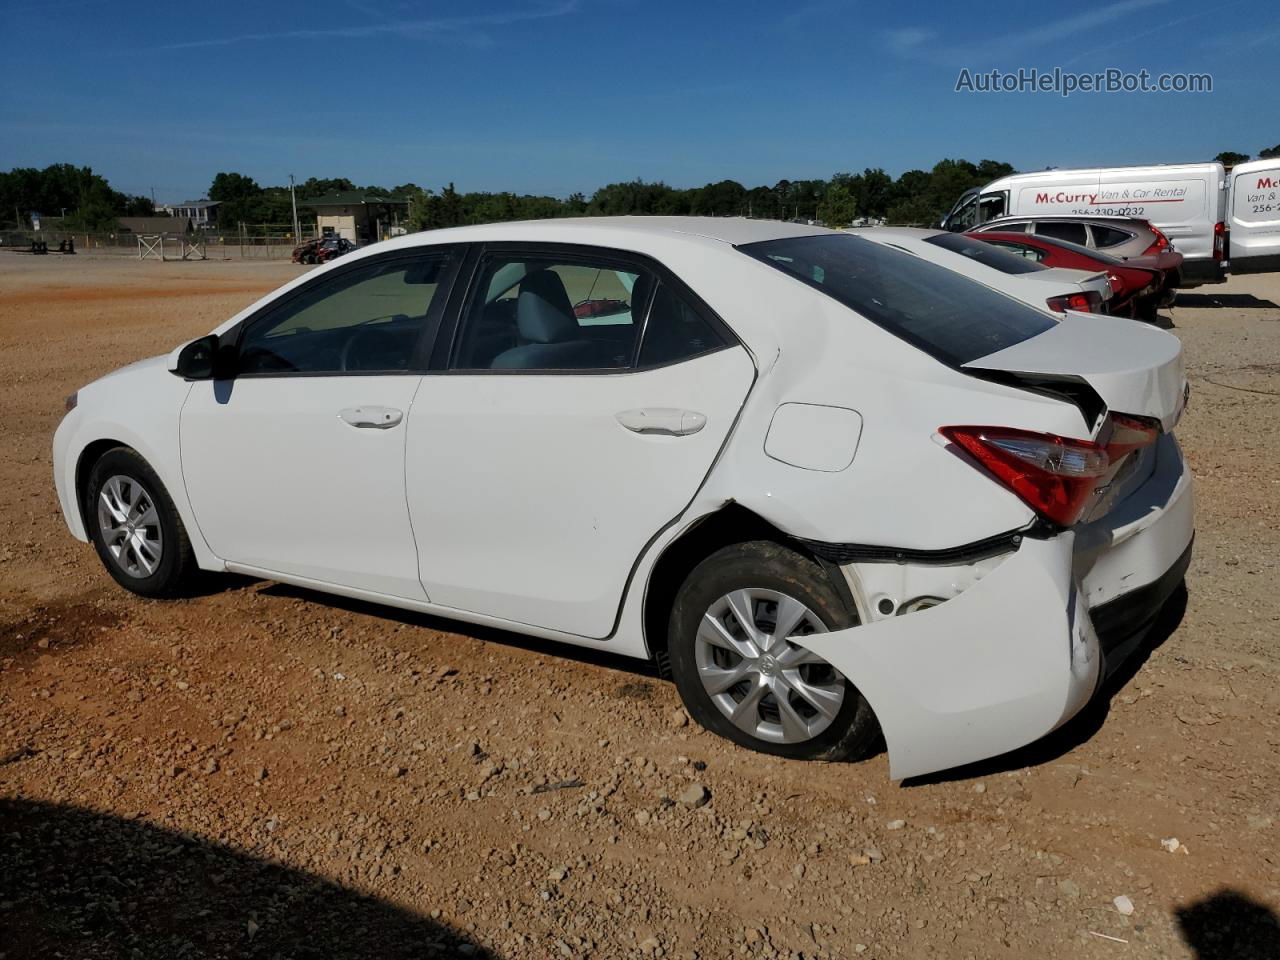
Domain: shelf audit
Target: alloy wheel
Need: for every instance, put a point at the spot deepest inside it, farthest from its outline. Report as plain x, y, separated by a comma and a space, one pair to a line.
765, 684
130, 526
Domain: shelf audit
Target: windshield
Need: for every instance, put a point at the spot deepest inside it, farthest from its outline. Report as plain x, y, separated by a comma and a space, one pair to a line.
948, 316
984, 253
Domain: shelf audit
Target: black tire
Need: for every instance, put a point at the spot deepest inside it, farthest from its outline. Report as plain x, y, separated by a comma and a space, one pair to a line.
854, 732
176, 567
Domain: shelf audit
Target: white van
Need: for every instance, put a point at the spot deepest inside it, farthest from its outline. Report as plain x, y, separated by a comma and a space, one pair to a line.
1255, 216
1188, 202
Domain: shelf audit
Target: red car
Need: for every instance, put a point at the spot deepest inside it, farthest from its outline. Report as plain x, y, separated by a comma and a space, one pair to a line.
1140, 286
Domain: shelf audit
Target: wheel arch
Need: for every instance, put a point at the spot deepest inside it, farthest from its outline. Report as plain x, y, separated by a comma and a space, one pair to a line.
91, 454
731, 524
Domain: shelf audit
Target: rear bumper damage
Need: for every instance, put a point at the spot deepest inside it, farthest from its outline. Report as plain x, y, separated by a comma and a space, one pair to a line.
1023, 644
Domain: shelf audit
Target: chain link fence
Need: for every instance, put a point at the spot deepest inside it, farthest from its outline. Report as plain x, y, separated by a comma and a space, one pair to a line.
243, 242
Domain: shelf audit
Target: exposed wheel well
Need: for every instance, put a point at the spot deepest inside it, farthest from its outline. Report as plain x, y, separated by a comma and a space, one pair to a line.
732, 524
88, 457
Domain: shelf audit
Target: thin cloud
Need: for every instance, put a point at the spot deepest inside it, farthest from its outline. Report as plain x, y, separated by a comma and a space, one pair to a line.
403, 28
918, 43
909, 39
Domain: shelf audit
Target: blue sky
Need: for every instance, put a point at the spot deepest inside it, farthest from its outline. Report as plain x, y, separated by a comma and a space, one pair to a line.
553, 96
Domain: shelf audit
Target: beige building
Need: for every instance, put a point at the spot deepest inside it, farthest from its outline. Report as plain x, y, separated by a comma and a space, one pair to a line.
356, 216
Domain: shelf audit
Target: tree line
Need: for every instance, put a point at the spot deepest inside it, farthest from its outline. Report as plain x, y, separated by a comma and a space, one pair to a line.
89, 202
919, 197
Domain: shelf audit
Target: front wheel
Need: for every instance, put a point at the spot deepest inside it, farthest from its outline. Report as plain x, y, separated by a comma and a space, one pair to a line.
738, 669
135, 527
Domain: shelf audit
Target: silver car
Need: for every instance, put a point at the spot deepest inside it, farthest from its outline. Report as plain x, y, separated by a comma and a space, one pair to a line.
1121, 237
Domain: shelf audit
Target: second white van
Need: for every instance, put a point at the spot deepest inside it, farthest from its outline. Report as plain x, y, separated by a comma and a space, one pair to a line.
1255, 216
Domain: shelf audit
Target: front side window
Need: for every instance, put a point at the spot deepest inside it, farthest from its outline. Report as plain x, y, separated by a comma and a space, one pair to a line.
948, 316
991, 205
368, 318
964, 216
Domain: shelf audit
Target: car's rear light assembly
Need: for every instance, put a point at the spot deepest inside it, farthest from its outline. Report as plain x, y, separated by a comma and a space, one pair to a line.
1159, 244
1219, 240
1088, 302
1055, 476
1129, 433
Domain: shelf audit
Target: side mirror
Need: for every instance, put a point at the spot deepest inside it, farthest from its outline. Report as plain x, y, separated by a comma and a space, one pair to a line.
204, 359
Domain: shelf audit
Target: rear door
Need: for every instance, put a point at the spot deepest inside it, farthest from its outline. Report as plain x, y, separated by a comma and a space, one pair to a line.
585, 398
1255, 216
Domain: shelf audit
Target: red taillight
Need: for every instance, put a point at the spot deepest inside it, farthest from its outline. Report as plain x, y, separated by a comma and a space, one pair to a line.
1055, 476
1161, 242
1129, 433
1088, 302
1219, 240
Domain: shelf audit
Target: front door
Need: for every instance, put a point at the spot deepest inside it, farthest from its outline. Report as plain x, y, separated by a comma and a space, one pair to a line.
587, 398
295, 466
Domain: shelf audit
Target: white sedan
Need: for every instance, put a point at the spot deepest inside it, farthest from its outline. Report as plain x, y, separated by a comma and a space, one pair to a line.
831, 488
1054, 288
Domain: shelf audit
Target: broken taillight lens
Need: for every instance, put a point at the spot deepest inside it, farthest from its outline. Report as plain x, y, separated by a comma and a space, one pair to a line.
1129, 433
1053, 475
1088, 302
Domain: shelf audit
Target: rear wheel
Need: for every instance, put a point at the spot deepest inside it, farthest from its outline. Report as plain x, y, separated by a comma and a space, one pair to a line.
738, 669
135, 526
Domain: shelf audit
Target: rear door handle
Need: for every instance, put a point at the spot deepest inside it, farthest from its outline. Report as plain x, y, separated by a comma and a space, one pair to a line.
372, 417
669, 421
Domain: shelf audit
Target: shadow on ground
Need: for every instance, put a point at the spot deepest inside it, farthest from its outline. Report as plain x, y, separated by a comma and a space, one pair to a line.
1084, 724
76, 883
590, 655
1232, 301
1230, 926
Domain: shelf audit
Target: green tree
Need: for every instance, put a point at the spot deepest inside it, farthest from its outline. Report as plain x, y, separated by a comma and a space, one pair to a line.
227, 187
1268, 152
1229, 158
838, 207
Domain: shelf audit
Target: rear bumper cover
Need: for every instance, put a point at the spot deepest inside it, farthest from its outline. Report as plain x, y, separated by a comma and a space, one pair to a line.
1202, 270
1021, 651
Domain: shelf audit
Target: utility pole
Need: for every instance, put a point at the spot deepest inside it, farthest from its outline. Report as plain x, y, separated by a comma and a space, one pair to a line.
294, 198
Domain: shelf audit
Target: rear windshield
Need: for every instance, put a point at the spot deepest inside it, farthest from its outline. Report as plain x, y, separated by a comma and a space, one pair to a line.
984, 253
948, 316
1083, 251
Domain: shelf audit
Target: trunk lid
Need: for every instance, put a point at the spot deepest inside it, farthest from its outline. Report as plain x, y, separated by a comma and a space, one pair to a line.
1134, 368
1081, 279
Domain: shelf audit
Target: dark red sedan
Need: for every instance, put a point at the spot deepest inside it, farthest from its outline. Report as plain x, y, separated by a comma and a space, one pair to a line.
1140, 286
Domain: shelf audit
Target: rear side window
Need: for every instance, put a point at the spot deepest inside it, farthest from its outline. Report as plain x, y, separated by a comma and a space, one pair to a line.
1062, 230
984, 253
535, 313
1108, 236
675, 331
948, 316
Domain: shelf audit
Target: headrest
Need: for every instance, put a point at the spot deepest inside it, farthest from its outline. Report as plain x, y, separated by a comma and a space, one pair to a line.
543, 311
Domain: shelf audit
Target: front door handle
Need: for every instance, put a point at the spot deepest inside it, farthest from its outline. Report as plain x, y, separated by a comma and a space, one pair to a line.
668, 421
376, 418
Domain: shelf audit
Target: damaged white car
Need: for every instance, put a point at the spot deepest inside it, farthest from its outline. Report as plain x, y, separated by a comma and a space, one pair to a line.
834, 489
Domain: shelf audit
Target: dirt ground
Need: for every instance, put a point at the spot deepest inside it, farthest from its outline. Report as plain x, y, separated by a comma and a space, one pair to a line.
263, 771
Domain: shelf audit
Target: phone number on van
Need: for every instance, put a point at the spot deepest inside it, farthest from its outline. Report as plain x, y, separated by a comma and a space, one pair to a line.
1137, 211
